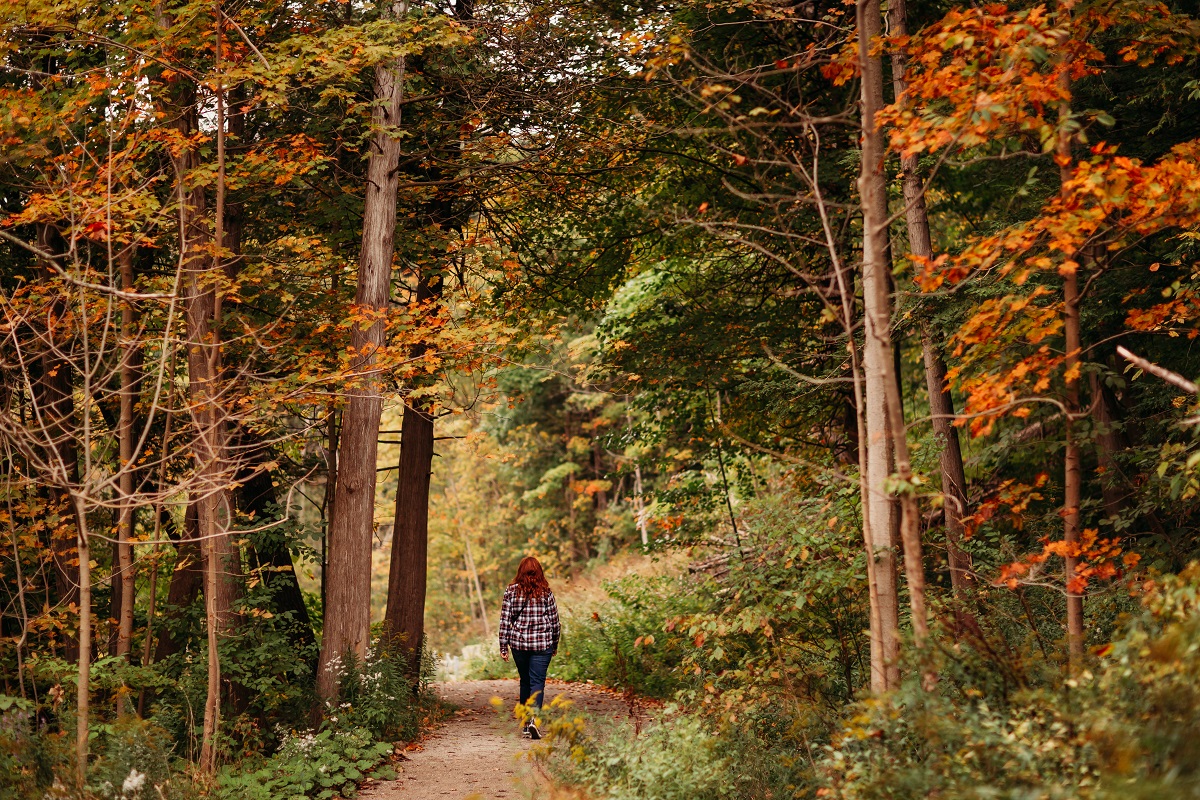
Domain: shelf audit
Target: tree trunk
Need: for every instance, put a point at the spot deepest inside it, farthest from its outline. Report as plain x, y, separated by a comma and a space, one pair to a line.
348, 573
954, 481
1114, 486
83, 679
222, 562
941, 404
125, 478
639, 503
404, 620
333, 429
1072, 466
878, 503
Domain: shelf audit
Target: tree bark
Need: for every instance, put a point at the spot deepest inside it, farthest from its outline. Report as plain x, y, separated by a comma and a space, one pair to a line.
1109, 442
954, 481
1073, 468
404, 619
83, 672
878, 504
333, 427
126, 467
348, 573
1072, 465
941, 404
222, 562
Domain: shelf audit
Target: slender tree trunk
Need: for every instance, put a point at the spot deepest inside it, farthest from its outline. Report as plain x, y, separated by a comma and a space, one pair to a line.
954, 481
204, 369
1072, 466
327, 512
940, 402
1073, 482
151, 604
877, 359
83, 681
483, 610
1109, 442
221, 559
125, 479
348, 573
639, 503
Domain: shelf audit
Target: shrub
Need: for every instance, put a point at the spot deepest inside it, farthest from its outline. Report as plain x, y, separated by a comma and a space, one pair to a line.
1129, 728
376, 695
489, 666
132, 761
26, 759
625, 643
329, 763
679, 756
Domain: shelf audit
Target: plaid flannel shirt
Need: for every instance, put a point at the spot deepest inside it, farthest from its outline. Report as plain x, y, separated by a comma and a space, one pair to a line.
528, 624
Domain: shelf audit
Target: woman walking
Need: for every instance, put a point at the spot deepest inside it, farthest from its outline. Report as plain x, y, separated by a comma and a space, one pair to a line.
530, 628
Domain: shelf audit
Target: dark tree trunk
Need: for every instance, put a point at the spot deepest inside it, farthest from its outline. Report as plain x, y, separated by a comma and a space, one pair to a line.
404, 619
186, 582
941, 404
405, 616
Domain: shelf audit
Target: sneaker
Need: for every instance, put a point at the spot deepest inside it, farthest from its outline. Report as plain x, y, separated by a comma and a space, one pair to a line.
533, 731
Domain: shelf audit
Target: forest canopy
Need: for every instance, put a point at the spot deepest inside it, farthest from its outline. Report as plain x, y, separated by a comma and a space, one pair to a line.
835, 358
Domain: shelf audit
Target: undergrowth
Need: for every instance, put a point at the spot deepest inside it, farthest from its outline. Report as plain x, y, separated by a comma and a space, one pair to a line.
1128, 726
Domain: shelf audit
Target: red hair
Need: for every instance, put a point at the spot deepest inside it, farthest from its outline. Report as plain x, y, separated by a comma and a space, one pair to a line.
530, 580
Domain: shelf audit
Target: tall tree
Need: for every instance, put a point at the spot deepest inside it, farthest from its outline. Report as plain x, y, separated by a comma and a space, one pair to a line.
941, 403
878, 364
404, 617
346, 627
1072, 457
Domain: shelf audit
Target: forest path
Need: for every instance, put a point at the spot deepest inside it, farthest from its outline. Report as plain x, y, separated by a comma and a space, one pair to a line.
478, 754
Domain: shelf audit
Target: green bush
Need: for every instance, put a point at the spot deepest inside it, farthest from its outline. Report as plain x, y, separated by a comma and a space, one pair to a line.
625, 643
132, 761
375, 694
680, 760
329, 763
26, 757
268, 667
1127, 728
678, 756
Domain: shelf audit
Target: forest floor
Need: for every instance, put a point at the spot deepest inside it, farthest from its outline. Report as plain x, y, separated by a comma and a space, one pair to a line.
478, 753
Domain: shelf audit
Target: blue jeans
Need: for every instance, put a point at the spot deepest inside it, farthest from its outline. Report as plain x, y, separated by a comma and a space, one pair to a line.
532, 666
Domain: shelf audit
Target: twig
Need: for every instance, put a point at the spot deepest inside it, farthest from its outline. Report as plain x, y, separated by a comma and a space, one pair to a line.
1173, 378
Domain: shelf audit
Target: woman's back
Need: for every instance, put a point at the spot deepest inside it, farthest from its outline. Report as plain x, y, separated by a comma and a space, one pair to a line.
529, 622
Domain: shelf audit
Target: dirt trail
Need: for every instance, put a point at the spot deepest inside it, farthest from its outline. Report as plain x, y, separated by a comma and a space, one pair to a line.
478, 754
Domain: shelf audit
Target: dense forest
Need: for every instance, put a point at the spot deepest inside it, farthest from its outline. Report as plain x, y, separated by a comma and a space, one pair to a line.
835, 358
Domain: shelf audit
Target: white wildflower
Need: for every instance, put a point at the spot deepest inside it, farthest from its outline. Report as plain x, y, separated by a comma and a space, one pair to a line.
133, 782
